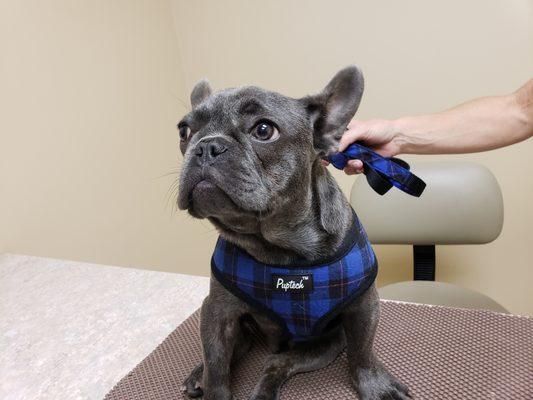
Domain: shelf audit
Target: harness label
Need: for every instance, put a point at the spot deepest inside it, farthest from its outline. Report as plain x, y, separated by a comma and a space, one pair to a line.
293, 283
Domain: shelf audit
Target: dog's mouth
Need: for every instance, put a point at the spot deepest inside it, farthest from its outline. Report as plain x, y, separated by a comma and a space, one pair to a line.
203, 197
194, 189
196, 196
202, 189
211, 191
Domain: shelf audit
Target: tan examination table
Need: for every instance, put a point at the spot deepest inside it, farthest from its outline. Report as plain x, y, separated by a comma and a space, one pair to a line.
466, 350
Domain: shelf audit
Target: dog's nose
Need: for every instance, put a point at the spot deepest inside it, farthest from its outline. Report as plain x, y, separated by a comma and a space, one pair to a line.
207, 151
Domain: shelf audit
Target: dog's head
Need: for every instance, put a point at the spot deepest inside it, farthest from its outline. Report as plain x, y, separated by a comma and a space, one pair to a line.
249, 152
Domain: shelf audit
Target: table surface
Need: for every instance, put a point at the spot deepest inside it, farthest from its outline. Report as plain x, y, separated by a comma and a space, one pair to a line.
71, 330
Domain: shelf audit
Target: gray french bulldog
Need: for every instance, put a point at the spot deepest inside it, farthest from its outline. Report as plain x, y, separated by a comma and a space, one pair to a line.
252, 166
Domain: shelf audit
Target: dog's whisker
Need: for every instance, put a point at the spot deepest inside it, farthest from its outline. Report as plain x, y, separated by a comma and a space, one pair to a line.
167, 174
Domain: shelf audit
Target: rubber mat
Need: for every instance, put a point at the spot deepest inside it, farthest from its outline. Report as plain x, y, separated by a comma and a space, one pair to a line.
438, 352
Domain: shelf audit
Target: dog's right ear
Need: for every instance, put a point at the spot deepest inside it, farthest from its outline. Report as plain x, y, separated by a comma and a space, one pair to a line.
202, 90
331, 110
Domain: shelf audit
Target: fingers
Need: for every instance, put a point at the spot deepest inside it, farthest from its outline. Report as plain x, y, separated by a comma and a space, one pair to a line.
354, 167
348, 138
353, 133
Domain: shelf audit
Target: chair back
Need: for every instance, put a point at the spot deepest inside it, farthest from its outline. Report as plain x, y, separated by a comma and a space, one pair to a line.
462, 204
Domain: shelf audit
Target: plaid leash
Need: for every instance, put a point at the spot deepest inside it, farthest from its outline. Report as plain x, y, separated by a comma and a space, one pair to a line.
382, 173
302, 298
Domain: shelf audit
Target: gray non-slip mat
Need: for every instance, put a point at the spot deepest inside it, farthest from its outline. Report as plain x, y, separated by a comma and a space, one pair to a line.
440, 353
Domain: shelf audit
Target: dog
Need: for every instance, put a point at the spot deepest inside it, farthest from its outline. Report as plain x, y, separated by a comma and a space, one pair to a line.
252, 165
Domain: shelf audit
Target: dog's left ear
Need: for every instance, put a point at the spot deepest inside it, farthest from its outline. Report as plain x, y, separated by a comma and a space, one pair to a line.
331, 110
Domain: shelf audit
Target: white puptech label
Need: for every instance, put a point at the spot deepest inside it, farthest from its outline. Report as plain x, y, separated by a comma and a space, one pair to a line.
292, 283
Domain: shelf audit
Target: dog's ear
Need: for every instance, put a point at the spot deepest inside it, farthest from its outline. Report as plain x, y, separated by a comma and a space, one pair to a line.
202, 90
331, 110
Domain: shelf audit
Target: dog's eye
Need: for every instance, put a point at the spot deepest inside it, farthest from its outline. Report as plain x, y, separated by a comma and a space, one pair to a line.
185, 132
265, 131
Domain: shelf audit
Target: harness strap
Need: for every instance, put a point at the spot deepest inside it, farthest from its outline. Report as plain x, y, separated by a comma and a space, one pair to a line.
382, 173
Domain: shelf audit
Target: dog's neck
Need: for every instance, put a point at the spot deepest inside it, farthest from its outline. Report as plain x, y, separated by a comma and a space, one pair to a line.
288, 236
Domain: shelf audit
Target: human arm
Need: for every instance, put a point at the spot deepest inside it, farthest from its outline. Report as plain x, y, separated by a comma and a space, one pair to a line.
478, 125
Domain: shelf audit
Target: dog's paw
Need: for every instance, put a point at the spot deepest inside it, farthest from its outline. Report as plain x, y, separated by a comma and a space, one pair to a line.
379, 384
192, 385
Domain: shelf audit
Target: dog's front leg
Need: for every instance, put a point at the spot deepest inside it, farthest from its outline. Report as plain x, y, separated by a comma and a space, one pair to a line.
219, 330
303, 357
369, 376
193, 384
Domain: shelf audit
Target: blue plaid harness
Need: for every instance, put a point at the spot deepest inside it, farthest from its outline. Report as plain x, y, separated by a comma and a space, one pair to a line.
305, 298
302, 298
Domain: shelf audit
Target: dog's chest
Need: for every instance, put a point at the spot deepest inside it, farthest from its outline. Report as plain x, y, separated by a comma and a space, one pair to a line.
273, 333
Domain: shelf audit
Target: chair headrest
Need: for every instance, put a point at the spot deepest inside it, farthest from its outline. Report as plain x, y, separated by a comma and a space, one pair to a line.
462, 204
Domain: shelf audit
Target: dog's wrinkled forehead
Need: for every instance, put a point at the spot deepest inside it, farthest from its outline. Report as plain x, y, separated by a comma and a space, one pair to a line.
246, 100
236, 108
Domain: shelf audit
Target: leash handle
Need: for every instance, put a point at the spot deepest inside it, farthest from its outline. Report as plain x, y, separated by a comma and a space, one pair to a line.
382, 173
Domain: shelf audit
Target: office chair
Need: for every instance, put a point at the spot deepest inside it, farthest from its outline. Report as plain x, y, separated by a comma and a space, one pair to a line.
462, 204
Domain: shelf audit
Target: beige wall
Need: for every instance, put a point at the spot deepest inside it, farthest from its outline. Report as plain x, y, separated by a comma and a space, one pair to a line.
93, 91
89, 97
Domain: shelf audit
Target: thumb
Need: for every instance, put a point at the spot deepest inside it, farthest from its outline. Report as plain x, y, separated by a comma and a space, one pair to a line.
353, 134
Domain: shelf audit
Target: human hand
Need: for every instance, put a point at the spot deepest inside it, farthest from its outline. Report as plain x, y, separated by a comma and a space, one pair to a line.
378, 134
